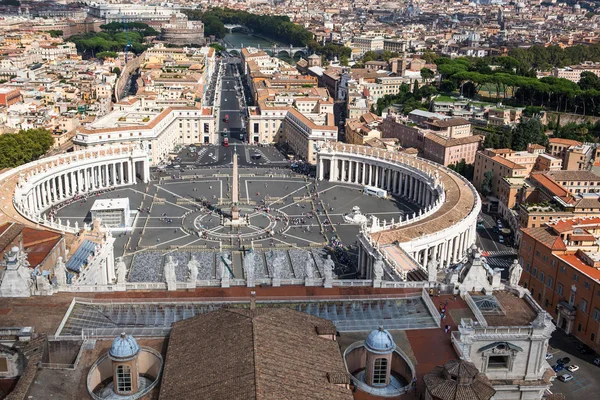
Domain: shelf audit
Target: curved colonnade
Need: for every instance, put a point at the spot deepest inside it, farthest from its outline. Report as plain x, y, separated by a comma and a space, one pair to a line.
50, 181
443, 229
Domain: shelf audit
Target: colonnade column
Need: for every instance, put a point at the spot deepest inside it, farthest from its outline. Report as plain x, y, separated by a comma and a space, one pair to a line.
364, 172
122, 182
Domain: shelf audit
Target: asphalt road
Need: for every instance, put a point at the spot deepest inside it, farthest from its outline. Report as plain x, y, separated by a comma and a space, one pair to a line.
231, 104
585, 383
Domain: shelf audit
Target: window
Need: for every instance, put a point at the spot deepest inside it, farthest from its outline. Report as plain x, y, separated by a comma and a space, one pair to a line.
583, 306
3, 364
498, 362
550, 282
575, 277
596, 314
123, 379
534, 272
380, 371
587, 285
542, 276
572, 298
559, 289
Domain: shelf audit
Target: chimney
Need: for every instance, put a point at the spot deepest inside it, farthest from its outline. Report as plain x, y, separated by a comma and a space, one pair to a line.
252, 300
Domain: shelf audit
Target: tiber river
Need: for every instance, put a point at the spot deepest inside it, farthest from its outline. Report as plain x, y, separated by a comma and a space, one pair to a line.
239, 39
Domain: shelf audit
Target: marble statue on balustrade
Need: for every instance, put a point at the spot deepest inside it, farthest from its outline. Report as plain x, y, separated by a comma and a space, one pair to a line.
378, 269
515, 272
193, 265
121, 271
225, 275
432, 270
328, 266
60, 272
309, 270
249, 264
42, 284
17, 280
169, 273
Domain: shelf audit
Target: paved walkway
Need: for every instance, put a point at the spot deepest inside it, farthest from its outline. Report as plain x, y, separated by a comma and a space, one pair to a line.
432, 347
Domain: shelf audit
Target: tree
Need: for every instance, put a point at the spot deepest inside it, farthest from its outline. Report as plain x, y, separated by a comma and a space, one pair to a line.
589, 80
22, 147
106, 54
429, 57
116, 70
463, 169
55, 33
528, 132
416, 86
218, 47
427, 74
486, 186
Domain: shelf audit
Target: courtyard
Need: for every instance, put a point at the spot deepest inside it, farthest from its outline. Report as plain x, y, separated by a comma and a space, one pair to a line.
287, 215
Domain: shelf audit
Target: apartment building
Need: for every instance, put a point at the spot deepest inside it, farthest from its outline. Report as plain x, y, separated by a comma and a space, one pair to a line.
447, 143
396, 46
361, 130
573, 73
364, 44
159, 124
508, 163
561, 269
266, 120
504, 116
306, 133
9, 96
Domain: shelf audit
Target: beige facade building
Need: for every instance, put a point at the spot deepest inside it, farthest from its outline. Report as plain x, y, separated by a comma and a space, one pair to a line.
305, 134
157, 125
445, 141
504, 116
573, 73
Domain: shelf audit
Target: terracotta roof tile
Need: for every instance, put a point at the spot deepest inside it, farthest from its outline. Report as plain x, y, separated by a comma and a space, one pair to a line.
240, 354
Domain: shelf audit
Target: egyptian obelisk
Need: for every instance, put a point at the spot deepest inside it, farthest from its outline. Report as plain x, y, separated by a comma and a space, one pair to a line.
235, 186
236, 183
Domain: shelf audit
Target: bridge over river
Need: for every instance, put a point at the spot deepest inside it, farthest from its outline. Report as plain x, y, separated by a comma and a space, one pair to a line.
276, 50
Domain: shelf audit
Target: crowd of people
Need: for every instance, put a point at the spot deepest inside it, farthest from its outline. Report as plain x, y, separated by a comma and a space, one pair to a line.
81, 198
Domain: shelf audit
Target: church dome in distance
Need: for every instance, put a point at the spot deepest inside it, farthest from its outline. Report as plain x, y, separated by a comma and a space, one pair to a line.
380, 341
124, 347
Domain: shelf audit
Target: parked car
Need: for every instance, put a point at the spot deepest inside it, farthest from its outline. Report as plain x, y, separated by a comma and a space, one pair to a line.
558, 367
549, 356
583, 349
564, 360
573, 368
501, 239
566, 377
597, 361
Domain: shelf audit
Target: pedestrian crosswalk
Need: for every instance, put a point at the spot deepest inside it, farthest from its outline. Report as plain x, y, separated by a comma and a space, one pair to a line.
499, 262
501, 253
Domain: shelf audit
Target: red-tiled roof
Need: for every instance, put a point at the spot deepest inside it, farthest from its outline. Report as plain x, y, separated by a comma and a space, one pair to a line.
546, 236
576, 263
567, 142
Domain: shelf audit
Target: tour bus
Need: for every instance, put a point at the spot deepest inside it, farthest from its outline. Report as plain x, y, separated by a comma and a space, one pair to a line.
226, 141
373, 191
